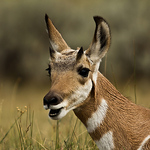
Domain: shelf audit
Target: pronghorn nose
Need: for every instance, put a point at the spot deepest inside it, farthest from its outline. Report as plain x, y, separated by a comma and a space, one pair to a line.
52, 100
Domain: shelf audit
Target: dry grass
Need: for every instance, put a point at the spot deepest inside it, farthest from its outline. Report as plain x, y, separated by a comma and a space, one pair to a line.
24, 124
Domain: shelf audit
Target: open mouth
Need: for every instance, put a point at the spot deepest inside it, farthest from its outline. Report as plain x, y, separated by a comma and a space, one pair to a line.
55, 112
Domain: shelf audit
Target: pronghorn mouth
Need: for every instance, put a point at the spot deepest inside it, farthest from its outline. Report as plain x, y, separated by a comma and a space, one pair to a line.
55, 112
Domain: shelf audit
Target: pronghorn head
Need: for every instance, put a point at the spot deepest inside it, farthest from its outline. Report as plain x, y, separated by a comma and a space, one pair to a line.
73, 73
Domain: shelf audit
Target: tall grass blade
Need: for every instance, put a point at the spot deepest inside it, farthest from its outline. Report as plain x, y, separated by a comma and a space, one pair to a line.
73, 132
31, 134
85, 142
7, 133
9, 129
20, 133
42, 146
57, 136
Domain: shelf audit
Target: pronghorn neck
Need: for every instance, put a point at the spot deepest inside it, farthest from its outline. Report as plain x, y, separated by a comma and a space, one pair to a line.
109, 118
102, 93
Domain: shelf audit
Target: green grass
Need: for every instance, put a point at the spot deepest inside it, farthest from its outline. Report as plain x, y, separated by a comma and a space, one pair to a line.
24, 124
22, 135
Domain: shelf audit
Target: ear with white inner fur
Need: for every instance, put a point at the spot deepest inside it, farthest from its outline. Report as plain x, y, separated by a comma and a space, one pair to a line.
101, 40
56, 40
53, 53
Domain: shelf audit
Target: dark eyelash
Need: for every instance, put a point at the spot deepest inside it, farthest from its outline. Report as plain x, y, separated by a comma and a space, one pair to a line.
49, 70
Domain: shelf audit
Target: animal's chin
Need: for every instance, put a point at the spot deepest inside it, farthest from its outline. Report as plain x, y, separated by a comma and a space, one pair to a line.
57, 114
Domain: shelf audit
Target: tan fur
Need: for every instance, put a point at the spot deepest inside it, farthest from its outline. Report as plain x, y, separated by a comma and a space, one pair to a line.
128, 122
55, 36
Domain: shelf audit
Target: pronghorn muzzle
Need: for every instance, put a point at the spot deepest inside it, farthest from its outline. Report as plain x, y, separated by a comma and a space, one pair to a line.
52, 98
50, 101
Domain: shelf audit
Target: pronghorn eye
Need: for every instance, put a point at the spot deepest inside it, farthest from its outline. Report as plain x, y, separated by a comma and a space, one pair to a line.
83, 72
49, 70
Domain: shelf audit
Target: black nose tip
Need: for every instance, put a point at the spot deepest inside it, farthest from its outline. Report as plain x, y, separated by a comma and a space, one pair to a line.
51, 100
54, 101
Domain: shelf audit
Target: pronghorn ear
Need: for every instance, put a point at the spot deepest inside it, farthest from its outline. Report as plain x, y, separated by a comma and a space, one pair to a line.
101, 40
53, 53
56, 40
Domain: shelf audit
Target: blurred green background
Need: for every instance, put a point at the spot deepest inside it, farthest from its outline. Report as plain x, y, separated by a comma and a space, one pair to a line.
24, 44
24, 54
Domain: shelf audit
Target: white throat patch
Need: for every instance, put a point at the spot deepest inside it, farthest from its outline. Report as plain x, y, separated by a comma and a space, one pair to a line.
97, 117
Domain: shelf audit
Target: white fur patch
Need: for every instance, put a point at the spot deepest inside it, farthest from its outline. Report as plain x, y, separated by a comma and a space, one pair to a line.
97, 117
96, 71
94, 56
54, 45
144, 141
80, 95
62, 104
67, 51
45, 107
106, 142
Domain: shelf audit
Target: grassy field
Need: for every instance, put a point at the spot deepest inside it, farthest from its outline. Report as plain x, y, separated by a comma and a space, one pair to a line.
24, 124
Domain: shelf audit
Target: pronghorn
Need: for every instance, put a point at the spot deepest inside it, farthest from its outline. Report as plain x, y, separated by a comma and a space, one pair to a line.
112, 121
